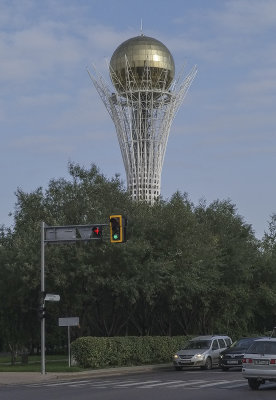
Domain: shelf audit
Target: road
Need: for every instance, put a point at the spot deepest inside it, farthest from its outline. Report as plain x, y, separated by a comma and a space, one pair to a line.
162, 384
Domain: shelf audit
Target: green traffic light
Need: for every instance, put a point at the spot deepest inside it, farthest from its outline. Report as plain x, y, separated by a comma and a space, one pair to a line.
115, 236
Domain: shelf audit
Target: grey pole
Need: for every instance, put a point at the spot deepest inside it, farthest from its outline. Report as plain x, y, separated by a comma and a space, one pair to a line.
42, 300
69, 347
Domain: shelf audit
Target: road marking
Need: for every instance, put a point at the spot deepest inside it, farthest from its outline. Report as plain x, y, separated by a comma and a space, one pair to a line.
135, 383
214, 384
159, 384
57, 384
187, 383
98, 384
79, 382
235, 386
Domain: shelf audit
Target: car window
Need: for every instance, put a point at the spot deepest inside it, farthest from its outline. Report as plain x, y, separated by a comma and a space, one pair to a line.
215, 345
228, 342
263, 348
243, 343
222, 344
198, 344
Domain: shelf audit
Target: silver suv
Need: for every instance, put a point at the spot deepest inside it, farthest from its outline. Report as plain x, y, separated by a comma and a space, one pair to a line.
201, 351
259, 362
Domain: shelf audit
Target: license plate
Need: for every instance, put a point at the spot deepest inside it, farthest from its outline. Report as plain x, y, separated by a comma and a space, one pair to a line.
232, 362
185, 361
261, 362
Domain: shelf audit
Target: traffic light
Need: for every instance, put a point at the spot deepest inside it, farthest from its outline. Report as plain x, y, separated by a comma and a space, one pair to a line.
117, 228
97, 232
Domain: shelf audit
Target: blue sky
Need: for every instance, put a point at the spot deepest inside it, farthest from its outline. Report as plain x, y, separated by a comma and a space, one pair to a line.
222, 143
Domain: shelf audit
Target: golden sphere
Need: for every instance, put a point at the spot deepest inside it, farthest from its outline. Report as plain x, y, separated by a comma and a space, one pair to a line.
142, 52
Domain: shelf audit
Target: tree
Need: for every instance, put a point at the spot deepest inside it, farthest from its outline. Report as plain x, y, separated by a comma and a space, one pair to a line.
265, 280
185, 269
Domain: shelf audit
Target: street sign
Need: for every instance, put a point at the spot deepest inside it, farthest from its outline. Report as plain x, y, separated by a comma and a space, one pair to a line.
52, 297
72, 321
85, 232
71, 233
60, 233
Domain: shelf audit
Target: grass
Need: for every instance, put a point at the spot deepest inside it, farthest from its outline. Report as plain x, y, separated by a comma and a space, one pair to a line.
53, 363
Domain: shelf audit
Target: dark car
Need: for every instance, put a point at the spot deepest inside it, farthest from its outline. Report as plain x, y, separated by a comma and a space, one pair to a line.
233, 355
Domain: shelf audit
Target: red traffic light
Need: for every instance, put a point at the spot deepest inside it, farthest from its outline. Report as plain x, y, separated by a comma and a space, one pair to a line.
97, 231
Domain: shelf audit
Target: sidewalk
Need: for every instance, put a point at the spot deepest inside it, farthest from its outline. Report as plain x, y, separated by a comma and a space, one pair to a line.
13, 378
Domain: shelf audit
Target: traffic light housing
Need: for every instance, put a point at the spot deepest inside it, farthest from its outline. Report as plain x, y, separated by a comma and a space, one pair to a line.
117, 228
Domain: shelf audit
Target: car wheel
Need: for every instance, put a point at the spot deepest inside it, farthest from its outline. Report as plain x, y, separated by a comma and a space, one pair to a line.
178, 368
253, 383
208, 363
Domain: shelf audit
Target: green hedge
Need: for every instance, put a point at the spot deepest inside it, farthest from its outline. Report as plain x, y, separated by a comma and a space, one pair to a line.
101, 352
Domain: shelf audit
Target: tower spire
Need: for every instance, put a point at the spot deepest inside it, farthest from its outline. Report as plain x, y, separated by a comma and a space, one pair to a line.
141, 27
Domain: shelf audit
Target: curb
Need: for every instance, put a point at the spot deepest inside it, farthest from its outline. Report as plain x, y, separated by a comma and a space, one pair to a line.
17, 378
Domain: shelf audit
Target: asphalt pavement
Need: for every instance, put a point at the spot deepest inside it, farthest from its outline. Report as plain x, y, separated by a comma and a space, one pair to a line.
15, 378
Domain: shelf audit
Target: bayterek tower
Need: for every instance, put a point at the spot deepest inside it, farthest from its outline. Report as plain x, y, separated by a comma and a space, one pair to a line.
143, 103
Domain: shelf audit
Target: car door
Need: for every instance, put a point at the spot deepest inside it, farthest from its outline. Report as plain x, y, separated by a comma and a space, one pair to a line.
222, 344
215, 351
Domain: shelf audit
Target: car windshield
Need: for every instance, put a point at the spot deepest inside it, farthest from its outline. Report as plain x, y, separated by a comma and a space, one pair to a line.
242, 344
198, 344
263, 347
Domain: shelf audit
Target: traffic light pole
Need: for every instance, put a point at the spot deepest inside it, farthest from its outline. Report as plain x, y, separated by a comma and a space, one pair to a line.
67, 233
42, 299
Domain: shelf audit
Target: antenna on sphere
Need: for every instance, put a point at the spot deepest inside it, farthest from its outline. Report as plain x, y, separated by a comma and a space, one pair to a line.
141, 27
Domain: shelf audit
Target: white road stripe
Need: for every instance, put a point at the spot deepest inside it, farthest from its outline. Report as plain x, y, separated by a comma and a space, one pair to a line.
56, 384
135, 383
187, 383
195, 384
101, 383
159, 384
235, 386
214, 384
79, 383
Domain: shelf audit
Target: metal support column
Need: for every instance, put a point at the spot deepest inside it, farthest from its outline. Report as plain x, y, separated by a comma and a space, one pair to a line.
42, 300
69, 347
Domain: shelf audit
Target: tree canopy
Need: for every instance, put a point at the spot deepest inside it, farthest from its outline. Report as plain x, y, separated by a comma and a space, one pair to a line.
185, 269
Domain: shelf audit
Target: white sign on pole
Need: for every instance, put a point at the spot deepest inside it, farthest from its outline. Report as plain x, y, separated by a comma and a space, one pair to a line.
85, 232
60, 233
52, 297
73, 321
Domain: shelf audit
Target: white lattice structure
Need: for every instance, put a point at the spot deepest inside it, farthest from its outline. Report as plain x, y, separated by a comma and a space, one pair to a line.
142, 112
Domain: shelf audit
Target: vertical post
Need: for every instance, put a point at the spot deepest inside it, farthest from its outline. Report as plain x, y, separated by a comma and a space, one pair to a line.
42, 300
69, 347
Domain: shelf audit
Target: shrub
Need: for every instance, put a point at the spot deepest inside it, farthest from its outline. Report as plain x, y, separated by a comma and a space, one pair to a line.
101, 352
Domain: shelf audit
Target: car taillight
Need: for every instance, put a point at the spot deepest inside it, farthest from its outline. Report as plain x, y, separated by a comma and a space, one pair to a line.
247, 360
273, 361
